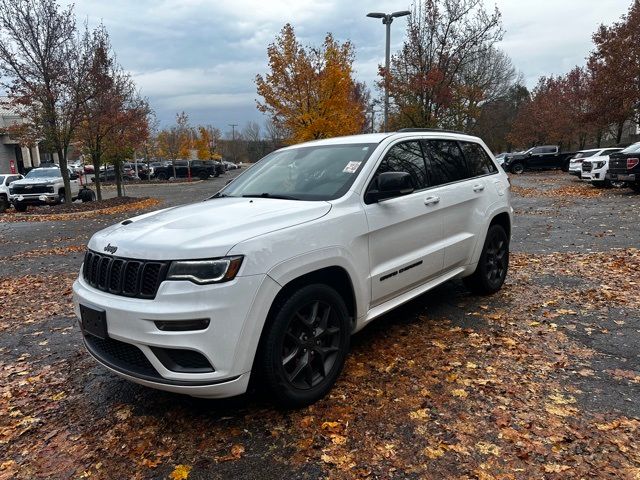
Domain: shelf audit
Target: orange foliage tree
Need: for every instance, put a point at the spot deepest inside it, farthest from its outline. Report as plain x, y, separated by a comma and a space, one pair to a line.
310, 92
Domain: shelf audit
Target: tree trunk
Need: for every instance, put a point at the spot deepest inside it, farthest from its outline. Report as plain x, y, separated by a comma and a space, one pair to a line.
96, 175
619, 133
116, 165
62, 161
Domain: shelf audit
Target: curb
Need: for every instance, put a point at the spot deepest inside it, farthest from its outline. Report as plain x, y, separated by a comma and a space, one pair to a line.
63, 216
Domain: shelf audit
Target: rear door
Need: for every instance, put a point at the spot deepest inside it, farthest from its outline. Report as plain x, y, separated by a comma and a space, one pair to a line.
462, 173
405, 233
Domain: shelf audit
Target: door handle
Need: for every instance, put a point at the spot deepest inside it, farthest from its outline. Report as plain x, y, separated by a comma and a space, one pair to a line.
478, 188
431, 200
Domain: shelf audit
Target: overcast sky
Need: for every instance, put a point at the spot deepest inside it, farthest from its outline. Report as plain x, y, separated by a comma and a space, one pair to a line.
202, 56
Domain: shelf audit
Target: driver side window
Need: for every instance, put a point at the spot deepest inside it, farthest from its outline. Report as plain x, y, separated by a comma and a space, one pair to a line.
406, 157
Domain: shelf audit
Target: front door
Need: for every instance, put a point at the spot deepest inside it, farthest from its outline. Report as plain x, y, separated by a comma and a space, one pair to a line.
405, 233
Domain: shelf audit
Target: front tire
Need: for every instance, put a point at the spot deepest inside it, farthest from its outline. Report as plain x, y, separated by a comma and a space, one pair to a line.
4, 204
20, 207
517, 168
304, 347
635, 186
493, 264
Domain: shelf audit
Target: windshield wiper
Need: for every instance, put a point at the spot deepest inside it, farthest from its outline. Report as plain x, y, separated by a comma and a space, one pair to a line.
269, 195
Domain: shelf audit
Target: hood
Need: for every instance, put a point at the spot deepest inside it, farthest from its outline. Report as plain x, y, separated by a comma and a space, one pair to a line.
203, 230
37, 181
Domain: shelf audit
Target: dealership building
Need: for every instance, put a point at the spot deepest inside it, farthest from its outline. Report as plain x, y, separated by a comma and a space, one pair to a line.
14, 157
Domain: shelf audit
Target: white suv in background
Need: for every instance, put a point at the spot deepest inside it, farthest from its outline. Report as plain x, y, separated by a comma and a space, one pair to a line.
594, 169
271, 276
5, 181
575, 164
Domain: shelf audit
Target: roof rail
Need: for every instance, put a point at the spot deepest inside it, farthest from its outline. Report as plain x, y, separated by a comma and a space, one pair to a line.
438, 130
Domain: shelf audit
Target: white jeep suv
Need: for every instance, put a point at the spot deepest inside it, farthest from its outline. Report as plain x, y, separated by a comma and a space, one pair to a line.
271, 276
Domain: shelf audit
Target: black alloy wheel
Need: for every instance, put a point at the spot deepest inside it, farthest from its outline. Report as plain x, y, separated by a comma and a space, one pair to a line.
304, 345
493, 265
310, 345
496, 260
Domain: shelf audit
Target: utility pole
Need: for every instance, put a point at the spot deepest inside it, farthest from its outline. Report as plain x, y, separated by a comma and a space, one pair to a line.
233, 139
387, 19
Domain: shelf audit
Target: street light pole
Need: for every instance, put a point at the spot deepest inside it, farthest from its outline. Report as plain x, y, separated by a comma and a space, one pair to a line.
387, 19
233, 139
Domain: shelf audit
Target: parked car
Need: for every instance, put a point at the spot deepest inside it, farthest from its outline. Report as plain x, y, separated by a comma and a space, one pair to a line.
500, 158
45, 186
594, 169
202, 169
5, 181
230, 165
272, 275
624, 166
575, 162
139, 170
109, 175
538, 158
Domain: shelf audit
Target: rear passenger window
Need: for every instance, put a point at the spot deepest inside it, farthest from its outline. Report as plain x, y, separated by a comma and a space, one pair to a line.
478, 162
445, 162
406, 157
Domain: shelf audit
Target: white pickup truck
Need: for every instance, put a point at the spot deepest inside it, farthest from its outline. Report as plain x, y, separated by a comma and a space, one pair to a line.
45, 186
5, 180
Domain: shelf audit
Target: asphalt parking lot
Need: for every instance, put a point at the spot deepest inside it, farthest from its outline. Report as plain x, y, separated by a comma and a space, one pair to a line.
541, 380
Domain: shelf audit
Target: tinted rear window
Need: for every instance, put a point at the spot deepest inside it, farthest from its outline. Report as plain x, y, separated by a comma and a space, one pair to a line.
478, 162
445, 162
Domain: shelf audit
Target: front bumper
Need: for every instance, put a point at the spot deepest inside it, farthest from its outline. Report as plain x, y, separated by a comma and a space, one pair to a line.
236, 311
34, 198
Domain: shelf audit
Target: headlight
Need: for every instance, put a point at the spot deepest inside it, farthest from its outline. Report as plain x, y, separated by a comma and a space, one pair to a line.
598, 165
202, 272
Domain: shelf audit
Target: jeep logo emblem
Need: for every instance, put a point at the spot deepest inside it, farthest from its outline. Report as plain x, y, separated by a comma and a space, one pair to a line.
110, 249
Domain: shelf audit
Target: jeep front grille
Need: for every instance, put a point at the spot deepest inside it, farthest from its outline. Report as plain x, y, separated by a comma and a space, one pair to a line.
124, 276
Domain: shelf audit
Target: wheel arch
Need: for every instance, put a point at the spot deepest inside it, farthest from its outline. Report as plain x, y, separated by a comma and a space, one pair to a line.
500, 217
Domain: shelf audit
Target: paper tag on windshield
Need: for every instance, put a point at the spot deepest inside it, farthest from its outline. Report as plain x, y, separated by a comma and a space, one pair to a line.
351, 167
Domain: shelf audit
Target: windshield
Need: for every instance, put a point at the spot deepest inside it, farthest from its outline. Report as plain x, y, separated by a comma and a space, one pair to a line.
43, 173
306, 173
635, 148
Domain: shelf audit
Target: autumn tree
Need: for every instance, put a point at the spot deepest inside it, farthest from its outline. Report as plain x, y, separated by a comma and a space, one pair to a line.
615, 68
310, 91
44, 64
112, 93
448, 66
130, 134
206, 142
497, 117
176, 141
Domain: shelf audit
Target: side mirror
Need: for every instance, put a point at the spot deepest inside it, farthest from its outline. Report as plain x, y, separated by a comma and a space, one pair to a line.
73, 176
389, 185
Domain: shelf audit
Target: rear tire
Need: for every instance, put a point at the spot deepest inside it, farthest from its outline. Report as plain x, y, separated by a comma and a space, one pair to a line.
493, 264
161, 176
600, 184
203, 175
304, 346
635, 186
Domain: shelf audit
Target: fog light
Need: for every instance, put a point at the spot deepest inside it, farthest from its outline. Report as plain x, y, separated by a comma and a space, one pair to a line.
182, 325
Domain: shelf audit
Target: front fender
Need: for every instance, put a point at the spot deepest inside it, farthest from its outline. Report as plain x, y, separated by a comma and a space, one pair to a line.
295, 267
